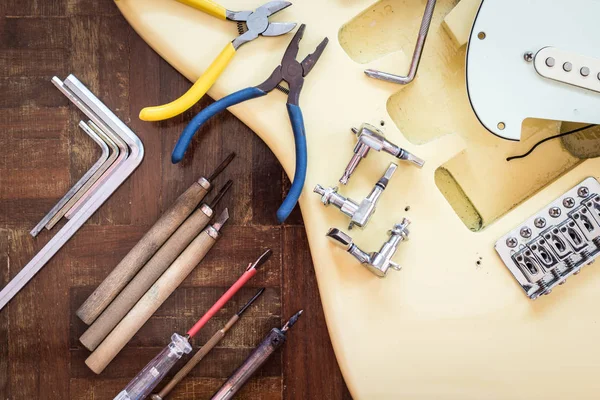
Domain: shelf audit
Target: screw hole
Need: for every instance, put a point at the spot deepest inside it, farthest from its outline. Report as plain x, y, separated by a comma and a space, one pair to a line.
481, 35
501, 125
407, 208
382, 123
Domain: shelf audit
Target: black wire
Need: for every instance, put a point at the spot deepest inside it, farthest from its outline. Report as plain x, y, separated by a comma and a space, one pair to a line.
547, 139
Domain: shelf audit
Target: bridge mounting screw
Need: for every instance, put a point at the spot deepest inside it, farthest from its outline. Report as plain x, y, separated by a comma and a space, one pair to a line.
554, 212
525, 232
569, 202
539, 222
583, 191
512, 242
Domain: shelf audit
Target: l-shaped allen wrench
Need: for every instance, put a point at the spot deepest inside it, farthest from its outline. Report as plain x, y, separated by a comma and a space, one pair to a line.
104, 159
107, 121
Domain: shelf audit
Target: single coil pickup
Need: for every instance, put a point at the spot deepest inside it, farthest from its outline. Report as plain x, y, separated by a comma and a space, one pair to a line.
586, 222
557, 242
529, 265
593, 205
543, 252
573, 235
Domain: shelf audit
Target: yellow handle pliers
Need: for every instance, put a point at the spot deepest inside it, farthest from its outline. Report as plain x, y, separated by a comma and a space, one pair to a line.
257, 23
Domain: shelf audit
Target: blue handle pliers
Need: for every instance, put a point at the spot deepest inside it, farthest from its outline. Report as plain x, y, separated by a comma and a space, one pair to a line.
290, 71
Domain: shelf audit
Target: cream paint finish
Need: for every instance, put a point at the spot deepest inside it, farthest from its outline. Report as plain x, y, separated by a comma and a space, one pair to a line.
444, 327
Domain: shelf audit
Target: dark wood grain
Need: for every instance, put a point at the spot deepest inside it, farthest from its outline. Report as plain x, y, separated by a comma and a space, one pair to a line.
44, 153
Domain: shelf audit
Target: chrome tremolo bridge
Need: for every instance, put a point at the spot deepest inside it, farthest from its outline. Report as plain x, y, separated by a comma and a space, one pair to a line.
556, 242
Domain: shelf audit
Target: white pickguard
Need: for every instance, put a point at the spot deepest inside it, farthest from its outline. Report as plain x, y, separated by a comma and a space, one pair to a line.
504, 88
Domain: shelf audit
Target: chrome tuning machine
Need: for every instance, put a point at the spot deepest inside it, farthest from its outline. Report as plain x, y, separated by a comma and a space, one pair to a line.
360, 213
378, 262
368, 138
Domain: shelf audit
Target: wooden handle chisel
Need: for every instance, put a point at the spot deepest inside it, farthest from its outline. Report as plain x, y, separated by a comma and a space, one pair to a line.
147, 246
143, 251
153, 269
155, 296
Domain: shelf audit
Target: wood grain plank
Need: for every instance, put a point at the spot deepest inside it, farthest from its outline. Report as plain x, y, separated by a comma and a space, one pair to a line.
295, 218
267, 176
176, 178
110, 53
33, 8
19, 213
30, 92
268, 388
42, 154
220, 363
98, 250
24, 334
35, 123
239, 246
34, 33
52, 320
91, 7
143, 75
5, 378
35, 62
4, 144
230, 135
28, 184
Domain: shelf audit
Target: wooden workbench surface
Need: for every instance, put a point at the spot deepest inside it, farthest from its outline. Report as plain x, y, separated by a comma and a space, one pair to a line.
43, 153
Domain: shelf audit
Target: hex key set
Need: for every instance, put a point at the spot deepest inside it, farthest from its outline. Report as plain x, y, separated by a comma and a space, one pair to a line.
102, 121
79, 186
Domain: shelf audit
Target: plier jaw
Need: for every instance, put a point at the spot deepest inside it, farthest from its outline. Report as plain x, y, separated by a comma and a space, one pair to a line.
257, 22
292, 71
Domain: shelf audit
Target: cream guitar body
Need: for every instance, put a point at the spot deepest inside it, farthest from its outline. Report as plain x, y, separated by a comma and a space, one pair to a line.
453, 323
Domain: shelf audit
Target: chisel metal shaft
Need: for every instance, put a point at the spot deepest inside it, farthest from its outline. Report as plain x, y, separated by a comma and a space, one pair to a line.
153, 269
155, 296
145, 248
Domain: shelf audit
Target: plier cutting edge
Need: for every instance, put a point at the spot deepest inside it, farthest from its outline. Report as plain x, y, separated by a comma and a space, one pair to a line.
291, 71
258, 24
